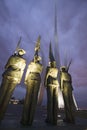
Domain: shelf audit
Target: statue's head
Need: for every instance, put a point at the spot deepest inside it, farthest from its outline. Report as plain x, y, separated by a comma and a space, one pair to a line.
37, 58
52, 64
63, 69
21, 52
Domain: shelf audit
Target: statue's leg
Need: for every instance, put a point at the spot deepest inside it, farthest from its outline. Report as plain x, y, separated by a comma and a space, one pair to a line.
27, 104
36, 86
3, 89
49, 104
66, 104
55, 105
9, 92
72, 117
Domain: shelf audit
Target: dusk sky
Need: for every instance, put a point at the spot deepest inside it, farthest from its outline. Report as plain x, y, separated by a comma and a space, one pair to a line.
30, 18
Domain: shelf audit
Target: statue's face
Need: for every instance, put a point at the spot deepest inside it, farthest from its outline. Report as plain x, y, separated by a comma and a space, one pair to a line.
36, 59
63, 69
53, 64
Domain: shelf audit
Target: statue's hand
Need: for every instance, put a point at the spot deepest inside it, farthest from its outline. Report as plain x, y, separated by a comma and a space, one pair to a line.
25, 81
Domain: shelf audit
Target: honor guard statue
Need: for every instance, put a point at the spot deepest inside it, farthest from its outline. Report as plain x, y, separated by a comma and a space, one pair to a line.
32, 82
51, 84
11, 77
66, 88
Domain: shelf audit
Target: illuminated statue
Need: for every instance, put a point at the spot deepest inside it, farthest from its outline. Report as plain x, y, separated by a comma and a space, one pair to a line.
32, 82
11, 77
66, 88
51, 84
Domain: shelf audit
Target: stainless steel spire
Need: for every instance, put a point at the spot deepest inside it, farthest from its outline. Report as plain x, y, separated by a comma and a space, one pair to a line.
56, 45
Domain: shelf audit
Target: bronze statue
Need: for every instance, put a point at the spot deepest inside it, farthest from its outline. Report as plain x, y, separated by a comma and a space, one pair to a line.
32, 82
66, 88
51, 84
10, 78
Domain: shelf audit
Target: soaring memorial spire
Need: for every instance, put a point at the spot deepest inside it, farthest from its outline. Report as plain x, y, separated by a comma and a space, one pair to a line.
51, 57
57, 57
56, 45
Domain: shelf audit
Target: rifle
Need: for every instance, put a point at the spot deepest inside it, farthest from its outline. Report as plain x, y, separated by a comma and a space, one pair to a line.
69, 64
37, 47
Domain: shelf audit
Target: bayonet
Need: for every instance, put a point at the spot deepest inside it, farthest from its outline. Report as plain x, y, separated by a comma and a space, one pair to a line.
37, 47
18, 44
69, 64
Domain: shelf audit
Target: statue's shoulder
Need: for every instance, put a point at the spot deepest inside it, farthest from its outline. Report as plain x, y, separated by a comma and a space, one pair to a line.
18, 58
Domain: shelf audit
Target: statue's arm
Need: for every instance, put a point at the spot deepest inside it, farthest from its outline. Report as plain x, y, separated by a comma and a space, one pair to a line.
61, 82
46, 77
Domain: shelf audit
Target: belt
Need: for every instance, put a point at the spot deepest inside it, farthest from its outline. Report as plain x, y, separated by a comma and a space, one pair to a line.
67, 81
34, 73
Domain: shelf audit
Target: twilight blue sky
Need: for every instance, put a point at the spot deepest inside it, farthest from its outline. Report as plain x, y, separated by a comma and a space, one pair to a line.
30, 18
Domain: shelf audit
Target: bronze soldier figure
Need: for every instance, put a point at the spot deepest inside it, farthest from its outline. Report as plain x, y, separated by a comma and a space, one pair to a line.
32, 82
66, 88
10, 78
51, 84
